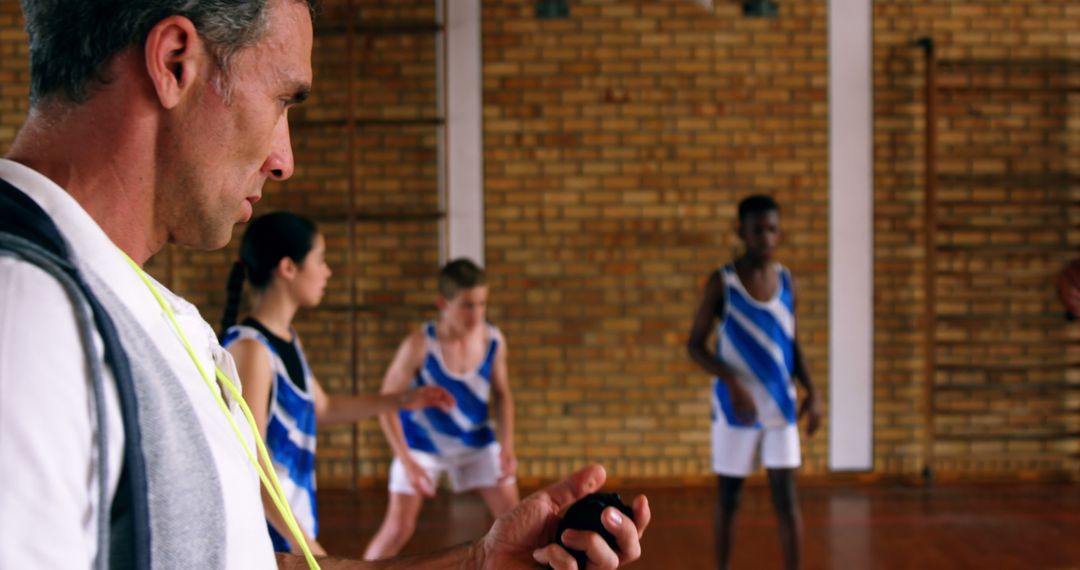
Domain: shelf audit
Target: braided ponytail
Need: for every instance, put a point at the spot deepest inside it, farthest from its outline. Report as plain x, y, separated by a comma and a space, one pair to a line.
266, 241
234, 292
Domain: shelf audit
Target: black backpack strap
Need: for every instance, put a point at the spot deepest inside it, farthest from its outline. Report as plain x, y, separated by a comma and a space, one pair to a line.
21, 217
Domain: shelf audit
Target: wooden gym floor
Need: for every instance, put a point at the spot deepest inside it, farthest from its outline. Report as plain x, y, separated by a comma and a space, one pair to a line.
995, 527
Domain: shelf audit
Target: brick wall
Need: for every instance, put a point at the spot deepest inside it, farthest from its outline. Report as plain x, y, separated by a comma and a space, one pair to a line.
1007, 220
617, 142
14, 73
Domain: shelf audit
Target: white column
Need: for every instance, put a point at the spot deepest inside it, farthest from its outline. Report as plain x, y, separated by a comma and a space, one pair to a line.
851, 235
462, 166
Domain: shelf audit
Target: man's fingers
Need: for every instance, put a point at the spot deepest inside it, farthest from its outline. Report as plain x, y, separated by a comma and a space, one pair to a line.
555, 556
594, 546
577, 485
642, 514
625, 532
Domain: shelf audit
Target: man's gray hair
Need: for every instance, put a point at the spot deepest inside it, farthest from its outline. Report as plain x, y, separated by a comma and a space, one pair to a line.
73, 41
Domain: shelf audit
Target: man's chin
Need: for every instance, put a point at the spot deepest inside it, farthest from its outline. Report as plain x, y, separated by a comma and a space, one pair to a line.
205, 245
219, 237
208, 241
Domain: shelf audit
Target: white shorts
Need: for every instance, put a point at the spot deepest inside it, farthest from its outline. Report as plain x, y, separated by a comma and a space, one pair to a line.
470, 470
734, 448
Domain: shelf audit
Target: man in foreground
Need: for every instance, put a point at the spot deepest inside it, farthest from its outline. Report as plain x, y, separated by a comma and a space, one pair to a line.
158, 122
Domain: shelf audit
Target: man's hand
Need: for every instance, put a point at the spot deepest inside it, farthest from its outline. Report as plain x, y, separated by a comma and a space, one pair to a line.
743, 402
427, 397
811, 408
525, 536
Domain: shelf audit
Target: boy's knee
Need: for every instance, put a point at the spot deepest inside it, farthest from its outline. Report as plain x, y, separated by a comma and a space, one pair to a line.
399, 528
784, 503
404, 528
783, 496
730, 493
400, 532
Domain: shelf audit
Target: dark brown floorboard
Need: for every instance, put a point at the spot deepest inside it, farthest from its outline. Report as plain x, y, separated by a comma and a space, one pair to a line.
979, 527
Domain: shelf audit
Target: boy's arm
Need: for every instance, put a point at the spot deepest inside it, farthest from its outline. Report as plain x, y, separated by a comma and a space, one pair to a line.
256, 377
712, 303
811, 406
503, 402
253, 368
408, 359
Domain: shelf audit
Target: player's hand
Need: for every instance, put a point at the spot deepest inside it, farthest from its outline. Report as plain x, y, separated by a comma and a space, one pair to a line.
743, 402
419, 478
427, 397
507, 463
523, 537
811, 408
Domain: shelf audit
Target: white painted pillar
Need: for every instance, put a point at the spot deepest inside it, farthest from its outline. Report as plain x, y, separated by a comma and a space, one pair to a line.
462, 161
851, 235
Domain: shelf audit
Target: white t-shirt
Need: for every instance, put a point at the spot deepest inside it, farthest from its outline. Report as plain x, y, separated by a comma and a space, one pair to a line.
48, 485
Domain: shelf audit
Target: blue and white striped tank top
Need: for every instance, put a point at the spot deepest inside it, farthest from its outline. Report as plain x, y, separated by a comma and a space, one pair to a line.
290, 433
757, 340
464, 428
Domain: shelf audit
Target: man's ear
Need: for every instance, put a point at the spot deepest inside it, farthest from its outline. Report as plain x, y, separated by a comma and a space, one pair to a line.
174, 56
441, 303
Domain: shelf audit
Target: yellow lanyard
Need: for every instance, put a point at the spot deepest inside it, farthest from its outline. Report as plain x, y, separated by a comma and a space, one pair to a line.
273, 486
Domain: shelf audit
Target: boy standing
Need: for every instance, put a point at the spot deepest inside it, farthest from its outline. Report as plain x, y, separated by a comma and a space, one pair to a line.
466, 355
753, 397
